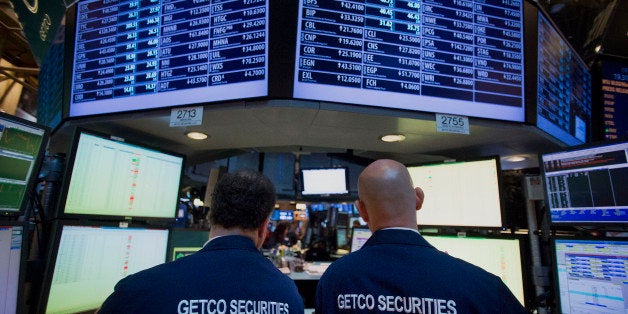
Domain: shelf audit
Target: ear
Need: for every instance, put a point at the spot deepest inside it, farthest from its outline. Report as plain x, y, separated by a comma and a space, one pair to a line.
420, 196
262, 230
362, 210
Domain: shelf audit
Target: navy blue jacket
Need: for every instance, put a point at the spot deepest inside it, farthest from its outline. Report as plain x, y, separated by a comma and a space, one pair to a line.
400, 272
229, 275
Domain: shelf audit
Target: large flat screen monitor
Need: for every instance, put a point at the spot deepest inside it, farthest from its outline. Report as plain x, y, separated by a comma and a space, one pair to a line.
563, 87
11, 267
614, 85
456, 57
87, 262
500, 256
465, 193
591, 275
22, 146
151, 54
587, 185
112, 178
324, 181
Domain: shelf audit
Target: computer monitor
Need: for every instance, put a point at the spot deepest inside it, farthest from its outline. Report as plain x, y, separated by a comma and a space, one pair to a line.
184, 242
111, 178
22, 146
587, 185
128, 56
88, 260
462, 193
341, 238
359, 236
500, 256
324, 181
591, 275
12, 244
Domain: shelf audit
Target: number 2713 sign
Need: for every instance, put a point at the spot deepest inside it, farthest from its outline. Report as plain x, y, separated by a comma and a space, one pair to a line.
186, 116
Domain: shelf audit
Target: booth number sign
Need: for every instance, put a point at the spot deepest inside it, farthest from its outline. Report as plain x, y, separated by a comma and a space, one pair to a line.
186, 116
452, 124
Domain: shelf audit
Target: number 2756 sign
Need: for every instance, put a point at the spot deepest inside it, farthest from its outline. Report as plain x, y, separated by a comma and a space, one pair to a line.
186, 116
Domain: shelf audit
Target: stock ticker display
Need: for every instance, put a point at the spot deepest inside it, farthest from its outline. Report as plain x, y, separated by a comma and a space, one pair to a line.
455, 56
564, 87
167, 52
588, 185
615, 99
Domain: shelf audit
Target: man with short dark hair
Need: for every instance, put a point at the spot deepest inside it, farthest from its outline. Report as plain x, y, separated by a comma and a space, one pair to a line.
397, 270
229, 275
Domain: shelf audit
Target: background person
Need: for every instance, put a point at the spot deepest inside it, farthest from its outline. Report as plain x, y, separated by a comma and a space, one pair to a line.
397, 270
229, 275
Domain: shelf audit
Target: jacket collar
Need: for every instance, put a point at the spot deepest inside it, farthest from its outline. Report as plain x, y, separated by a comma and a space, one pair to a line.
230, 242
397, 236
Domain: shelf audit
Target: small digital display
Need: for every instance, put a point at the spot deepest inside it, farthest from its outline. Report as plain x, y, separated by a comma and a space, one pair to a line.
359, 236
460, 57
563, 87
131, 55
587, 185
113, 178
591, 275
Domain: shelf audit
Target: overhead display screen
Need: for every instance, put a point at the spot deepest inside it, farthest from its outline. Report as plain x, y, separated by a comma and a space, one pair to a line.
563, 88
458, 57
139, 54
615, 96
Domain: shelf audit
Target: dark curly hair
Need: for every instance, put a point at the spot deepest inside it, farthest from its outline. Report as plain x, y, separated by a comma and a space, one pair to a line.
242, 199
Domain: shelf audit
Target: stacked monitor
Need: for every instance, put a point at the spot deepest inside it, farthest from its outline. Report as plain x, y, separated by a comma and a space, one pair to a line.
184, 242
464, 193
591, 275
88, 260
22, 146
587, 185
457, 57
12, 257
155, 54
116, 179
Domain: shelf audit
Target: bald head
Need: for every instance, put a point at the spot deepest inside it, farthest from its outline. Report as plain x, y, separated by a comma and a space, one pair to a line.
387, 196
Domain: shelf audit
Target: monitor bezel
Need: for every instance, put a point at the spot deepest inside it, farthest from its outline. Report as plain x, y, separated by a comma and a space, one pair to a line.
37, 163
554, 265
176, 232
334, 196
500, 191
608, 225
55, 239
110, 137
23, 256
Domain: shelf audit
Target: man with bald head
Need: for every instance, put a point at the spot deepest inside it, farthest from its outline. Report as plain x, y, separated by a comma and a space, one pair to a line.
397, 270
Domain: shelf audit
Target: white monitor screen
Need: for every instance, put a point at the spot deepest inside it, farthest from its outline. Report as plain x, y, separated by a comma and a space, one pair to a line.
114, 178
587, 185
324, 181
500, 257
134, 55
592, 275
359, 236
459, 194
11, 238
90, 260
457, 57
563, 87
